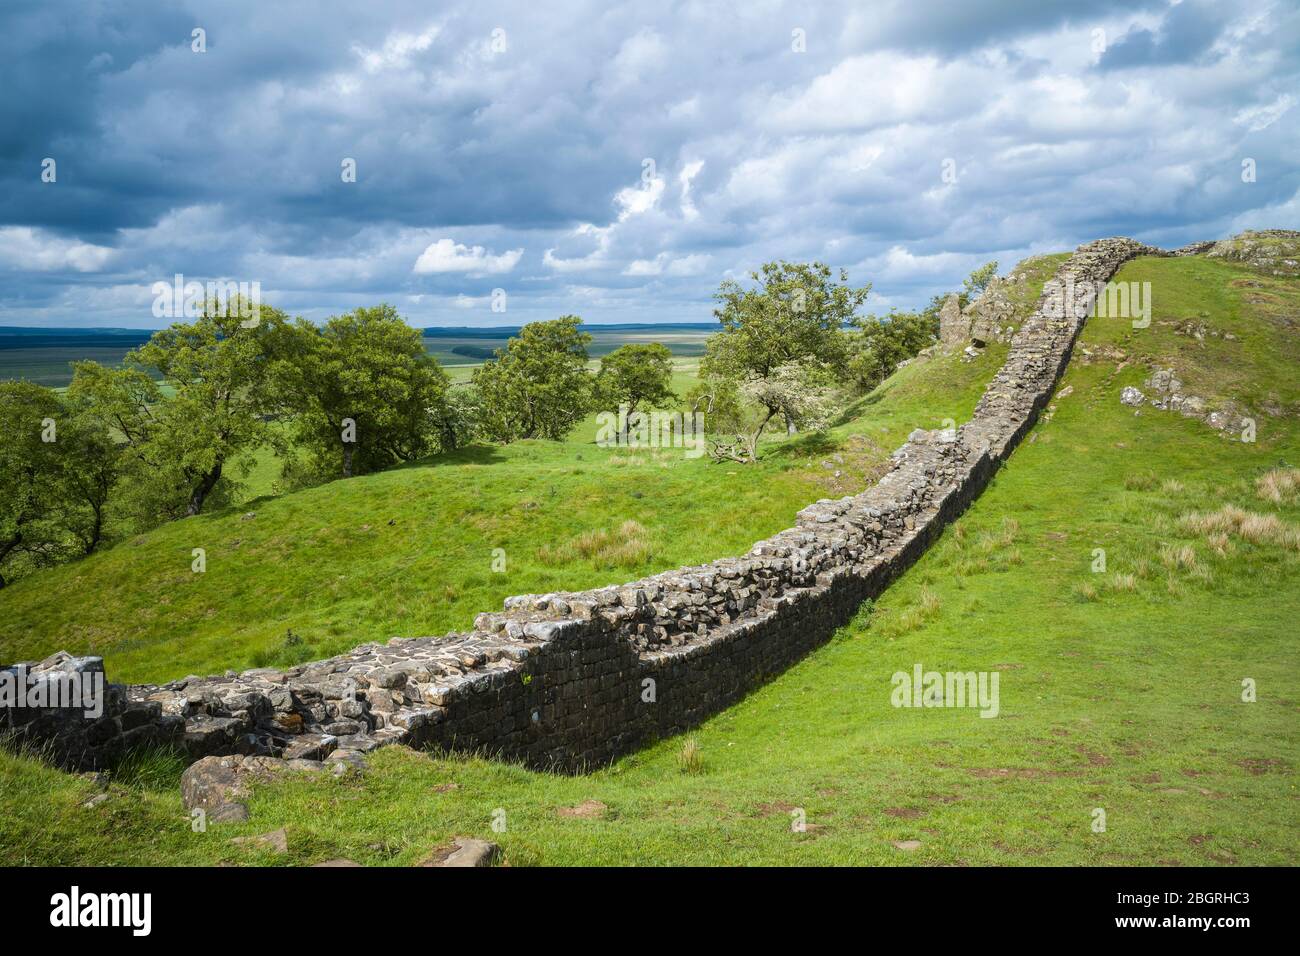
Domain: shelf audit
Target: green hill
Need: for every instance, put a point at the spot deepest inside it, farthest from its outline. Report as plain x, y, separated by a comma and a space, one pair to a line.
1121, 689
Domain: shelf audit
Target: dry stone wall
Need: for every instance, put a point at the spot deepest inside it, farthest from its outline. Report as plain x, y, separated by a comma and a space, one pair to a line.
569, 681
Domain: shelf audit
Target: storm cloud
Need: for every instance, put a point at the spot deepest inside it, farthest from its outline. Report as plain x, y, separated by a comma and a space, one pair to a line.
615, 161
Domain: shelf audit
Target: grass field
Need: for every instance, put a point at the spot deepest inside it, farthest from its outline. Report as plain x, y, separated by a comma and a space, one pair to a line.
1120, 691
46, 359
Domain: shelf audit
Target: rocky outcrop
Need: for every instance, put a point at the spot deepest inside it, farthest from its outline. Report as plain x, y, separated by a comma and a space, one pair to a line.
1271, 251
954, 326
569, 681
1167, 394
990, 317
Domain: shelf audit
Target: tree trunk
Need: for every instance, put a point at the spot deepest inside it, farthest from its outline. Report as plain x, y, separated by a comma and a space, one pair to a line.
6, 548
97, 529
201, 492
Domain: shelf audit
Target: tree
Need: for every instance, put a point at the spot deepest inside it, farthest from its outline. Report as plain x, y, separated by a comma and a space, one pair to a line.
365, 392
457, 422
638, 376
801, 392
797, 314
91, 460
975, 283
178, 449
881, 343
30, 473
118, 411
538, 386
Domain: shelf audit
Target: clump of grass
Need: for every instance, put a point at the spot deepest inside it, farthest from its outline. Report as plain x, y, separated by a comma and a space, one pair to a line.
291, 649
1280, 486
1171, 486
1247, 525
914, 615
1142, 481
1123, 582
1004, 537
150, 768
628, 545
1178, 557
1220, 544
690, 759
1085, 591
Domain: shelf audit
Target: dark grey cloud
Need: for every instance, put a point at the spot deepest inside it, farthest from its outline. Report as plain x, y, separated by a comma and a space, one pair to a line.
507, 146
1185, 34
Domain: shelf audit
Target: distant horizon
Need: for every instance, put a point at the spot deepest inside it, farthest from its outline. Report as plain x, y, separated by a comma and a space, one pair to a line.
426, 329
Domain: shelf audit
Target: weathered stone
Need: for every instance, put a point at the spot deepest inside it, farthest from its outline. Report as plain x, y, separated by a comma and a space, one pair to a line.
954, 328
465, 851
277, 841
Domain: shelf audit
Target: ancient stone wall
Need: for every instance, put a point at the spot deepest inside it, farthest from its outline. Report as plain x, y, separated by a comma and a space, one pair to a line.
573, 680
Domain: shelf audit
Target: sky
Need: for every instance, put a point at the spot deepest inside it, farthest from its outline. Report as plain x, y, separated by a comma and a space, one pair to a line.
616, 161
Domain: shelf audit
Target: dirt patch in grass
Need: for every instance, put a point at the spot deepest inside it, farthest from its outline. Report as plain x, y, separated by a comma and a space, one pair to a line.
588, 809
904, 813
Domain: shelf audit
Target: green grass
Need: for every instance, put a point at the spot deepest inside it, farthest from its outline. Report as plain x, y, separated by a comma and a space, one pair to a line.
1128, 700
409, 552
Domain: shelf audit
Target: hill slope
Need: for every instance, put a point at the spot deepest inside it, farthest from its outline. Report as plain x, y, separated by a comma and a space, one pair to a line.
410, 552
1121, 690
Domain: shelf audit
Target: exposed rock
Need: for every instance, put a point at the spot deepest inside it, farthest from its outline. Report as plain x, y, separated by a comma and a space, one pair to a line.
1131, 396
1169, 396
340, 862
1272, 251
992, 314
465, 851
954, 328
277, 841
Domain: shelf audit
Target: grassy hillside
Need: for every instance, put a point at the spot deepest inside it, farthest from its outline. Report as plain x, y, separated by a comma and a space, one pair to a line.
1120, 690
409, 552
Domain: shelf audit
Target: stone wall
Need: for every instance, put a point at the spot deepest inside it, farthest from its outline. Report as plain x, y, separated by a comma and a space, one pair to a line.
570, 681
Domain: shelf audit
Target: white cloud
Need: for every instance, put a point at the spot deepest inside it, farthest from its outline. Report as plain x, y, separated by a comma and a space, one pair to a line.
635, 200
22, 247
1256, 118
446, 255
666, 264
397, 50
688, 173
